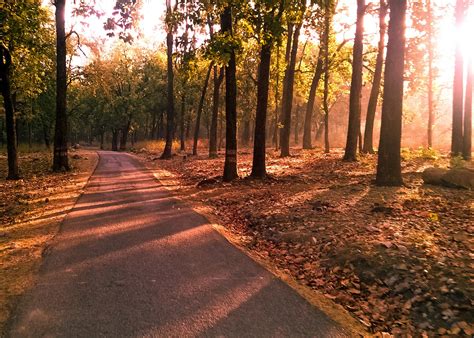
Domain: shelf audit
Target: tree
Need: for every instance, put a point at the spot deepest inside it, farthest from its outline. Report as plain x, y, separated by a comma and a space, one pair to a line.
200, 108
467, 137
5, 69
230, 162
368, 146
60, 157
268, 33
24, 38
457, 134
218, 77
356, 86
389, 159
170, 27
288, 82
311, 99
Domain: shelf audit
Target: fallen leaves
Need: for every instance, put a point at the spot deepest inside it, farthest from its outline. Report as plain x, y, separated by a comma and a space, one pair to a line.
399, 259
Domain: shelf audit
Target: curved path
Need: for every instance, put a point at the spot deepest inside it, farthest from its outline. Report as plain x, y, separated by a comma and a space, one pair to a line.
131, 261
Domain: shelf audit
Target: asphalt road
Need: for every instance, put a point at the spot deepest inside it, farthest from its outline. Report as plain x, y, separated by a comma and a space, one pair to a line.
131, 261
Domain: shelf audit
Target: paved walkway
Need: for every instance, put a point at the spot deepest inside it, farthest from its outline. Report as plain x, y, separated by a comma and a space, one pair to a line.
131, 261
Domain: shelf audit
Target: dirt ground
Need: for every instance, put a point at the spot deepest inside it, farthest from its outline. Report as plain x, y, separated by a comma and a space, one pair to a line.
399, 259
31, 210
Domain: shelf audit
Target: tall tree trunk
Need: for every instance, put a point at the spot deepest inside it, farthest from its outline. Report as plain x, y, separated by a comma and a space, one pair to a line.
467, 144
297, 123
430, 74
167, 152
182, 118
311, 99
389, 160
353, 129
5, 68
457, 135
368, 146
215, 111
230, 164
199, 112
277, 96
60, 158
259, 151
327, 27
287, 100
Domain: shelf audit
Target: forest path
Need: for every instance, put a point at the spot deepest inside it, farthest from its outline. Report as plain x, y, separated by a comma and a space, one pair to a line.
132, 261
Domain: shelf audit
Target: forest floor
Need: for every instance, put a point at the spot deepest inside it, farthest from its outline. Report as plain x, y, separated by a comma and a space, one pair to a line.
398, 258
31, 210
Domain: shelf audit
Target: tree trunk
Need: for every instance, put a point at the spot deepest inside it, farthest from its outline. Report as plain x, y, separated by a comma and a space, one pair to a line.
230, 164
353, 129
368, 146
259, 151
297, 123
430, 74
327, 26
182, 118
5, 68
199, 112
102, 132
287, 100
467, 144
167, 152
456, 136
311, 99
389, 162
115, 139
60, 158
123, 139
277, 96
215, 112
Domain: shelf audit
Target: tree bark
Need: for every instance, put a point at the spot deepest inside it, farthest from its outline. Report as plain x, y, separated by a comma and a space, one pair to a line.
60, 158
389, 160
327, 27
467, 144
123, 140
297, 123
215, 111
353, 129
167, 152
12, 155
368, 146
259, 151
115, 135
182, 118
287, 100
230, 164
311, 99
457, 135
430, 74
200, 107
